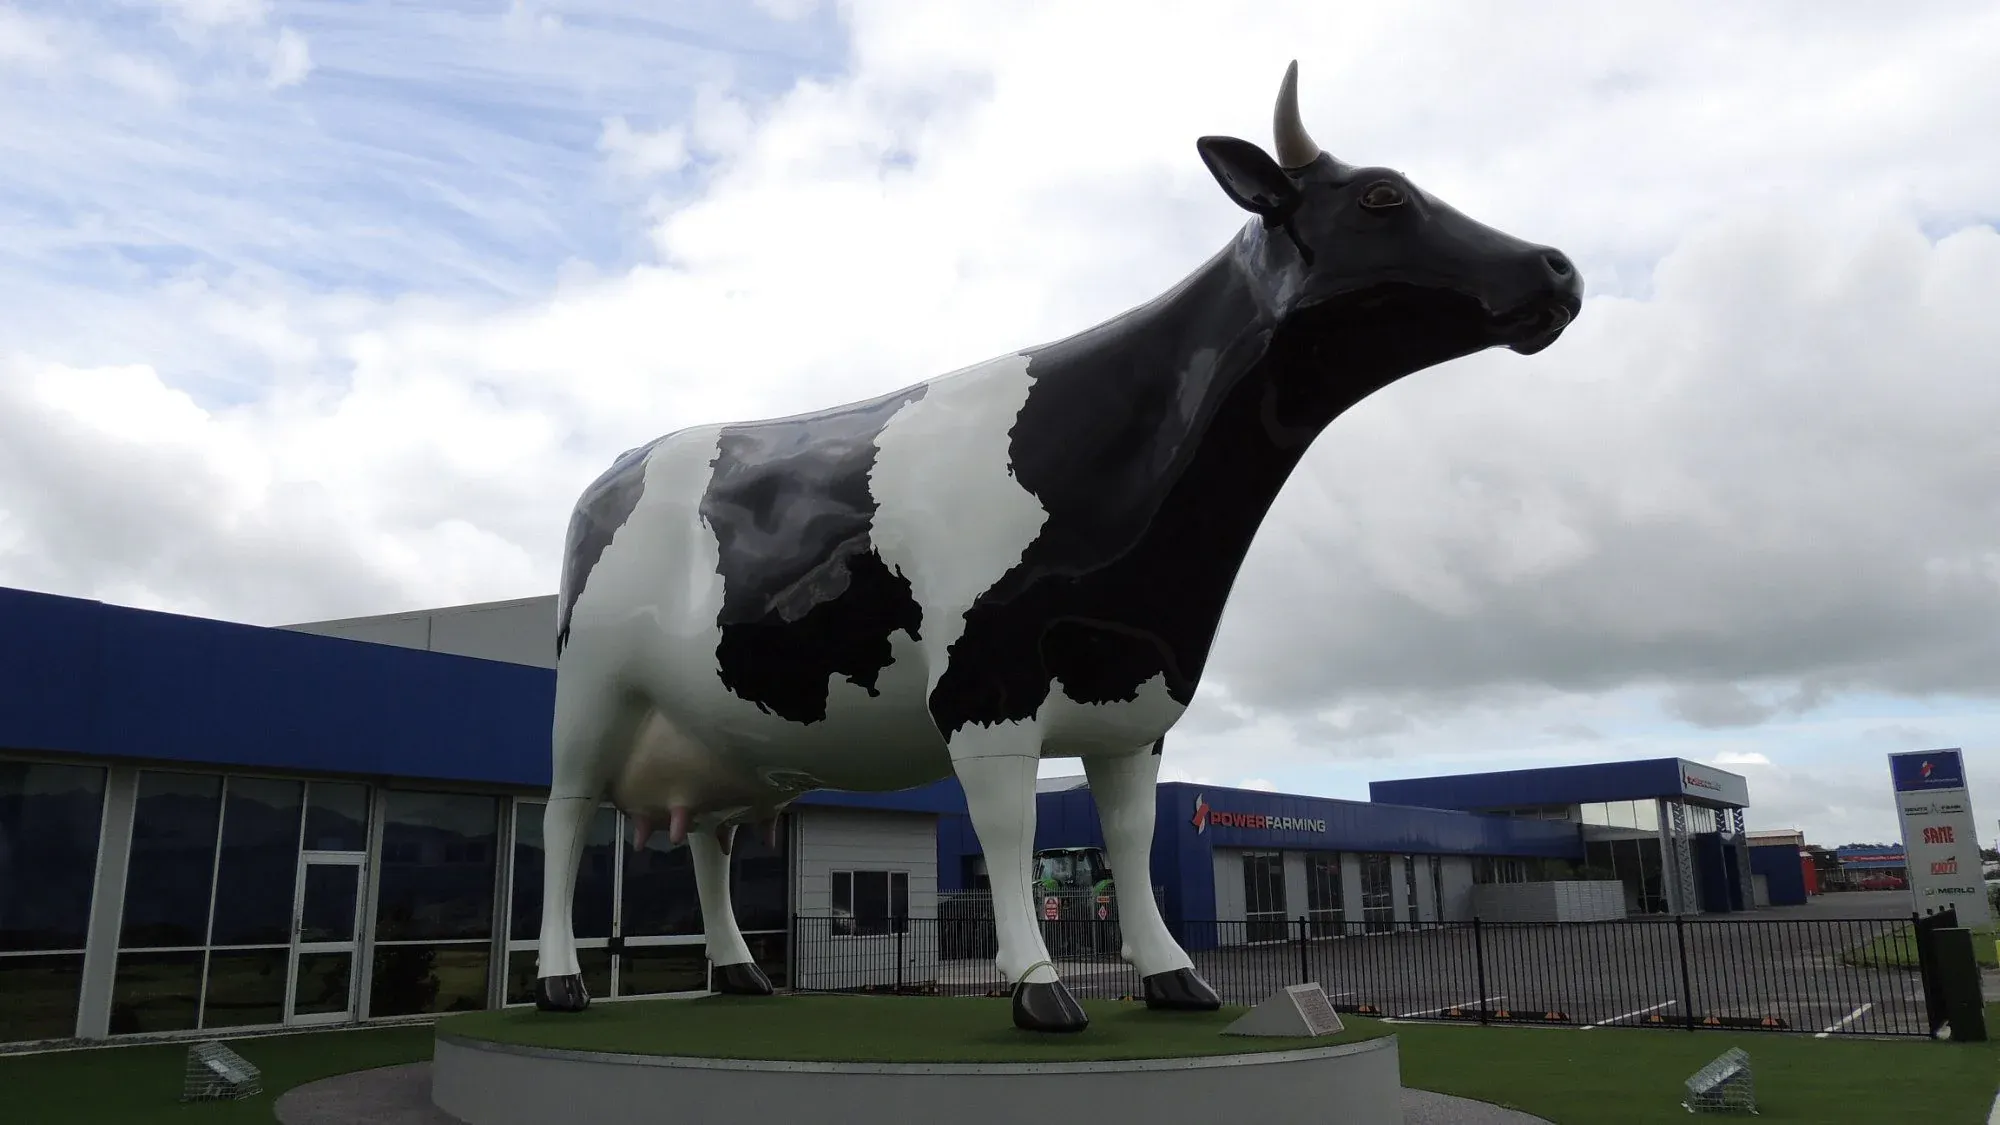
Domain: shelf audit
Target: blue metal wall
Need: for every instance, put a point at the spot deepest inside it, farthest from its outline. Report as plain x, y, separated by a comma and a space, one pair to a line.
1183, 854
87, 678
1552, 785
1783, 872
83, 677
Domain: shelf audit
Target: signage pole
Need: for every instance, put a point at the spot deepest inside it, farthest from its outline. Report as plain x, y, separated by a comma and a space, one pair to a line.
1940, 836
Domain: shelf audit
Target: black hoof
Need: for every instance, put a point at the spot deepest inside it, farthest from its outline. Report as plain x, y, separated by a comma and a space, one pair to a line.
562, 994
741, 979
1182, 990
1047, 1007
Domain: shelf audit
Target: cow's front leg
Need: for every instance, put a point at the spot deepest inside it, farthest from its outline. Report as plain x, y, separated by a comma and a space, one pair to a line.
1123, 788
996, 767
736, 971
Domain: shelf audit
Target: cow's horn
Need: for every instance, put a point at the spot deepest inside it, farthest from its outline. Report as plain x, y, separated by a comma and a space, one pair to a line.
1295, 146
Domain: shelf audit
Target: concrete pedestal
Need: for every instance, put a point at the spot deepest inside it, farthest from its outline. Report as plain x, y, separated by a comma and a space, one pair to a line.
481, 1082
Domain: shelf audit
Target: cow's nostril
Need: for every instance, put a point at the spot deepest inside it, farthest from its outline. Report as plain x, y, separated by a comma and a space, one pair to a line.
1557, 264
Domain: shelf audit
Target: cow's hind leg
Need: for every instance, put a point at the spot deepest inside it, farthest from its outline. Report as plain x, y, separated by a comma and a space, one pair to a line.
996, 767
594, 723
736, 971
1123, 788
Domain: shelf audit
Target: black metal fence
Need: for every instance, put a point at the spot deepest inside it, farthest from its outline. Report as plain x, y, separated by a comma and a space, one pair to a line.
1848, 976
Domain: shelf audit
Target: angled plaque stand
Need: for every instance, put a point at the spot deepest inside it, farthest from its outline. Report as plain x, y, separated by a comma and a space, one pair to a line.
1724, 1085
1300, 1011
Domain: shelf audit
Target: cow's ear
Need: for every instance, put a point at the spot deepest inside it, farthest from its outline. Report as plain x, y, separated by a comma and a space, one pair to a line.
1250, 177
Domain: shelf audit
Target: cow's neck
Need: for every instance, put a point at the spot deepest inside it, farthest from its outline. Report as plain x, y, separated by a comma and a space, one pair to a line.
1163, 436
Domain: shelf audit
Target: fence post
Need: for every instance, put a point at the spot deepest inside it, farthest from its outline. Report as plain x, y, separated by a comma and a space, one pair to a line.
1479, 959
1687, 989
899, 956
1305, 971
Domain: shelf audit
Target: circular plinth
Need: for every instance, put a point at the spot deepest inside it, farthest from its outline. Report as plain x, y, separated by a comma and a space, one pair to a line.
874, 1059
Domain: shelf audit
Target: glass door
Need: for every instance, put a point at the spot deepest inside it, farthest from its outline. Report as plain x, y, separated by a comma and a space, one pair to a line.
326, 915
1263, 897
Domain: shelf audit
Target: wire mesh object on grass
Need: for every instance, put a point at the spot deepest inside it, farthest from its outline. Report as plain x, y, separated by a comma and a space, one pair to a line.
1724, 1085
216, 1072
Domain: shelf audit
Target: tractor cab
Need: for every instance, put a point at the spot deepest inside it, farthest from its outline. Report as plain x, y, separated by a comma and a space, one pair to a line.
1072, 871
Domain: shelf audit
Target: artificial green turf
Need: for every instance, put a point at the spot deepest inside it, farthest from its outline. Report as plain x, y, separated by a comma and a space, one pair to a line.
876, 1029
1635, 1076
141, 1085
1609, 1076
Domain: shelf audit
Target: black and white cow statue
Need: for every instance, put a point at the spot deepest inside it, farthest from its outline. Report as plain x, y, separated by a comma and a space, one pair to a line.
1023, 559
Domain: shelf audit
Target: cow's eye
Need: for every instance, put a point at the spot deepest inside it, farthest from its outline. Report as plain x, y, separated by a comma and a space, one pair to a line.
1382, 196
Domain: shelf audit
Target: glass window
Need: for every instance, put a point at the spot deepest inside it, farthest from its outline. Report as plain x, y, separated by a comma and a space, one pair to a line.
596, 875
659, 894
246, 987
871, 902
156, 992
172, 861
1325, 907
1378, 906
437, 866
49, 820
38, 996
651, 970
418, 979
258, 869
337, 817
757, 883
1648, 815
1263, 896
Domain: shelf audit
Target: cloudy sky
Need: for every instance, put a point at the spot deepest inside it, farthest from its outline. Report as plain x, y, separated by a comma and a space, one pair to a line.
318, 309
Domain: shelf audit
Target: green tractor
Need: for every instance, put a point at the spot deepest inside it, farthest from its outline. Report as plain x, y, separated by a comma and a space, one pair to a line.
1078, 911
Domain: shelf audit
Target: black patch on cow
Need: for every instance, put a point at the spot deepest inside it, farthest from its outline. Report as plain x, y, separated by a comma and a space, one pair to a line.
599, 513
805, 595
1156, 443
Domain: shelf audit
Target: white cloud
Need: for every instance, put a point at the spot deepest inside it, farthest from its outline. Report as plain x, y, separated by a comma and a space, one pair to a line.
291, 60
642, 153
218, 13
1257, 783
1740, 758
26, 40
356, 349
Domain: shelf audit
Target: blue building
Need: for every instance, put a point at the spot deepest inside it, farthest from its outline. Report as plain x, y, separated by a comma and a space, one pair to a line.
206, 825
1670, 830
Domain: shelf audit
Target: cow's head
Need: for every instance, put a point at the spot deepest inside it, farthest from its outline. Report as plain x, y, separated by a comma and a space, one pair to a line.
1366, 252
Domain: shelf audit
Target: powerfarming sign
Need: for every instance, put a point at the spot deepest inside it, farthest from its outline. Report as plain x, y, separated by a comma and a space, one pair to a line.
1255, 822
1940, 840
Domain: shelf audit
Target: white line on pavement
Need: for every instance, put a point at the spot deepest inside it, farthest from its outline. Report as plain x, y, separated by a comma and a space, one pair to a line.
1629, 1015
1449, 1007
1844, 1020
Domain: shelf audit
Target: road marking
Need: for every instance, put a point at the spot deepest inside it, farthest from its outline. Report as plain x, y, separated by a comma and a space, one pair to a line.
1845, 1020
1629, 1015
1449, 1007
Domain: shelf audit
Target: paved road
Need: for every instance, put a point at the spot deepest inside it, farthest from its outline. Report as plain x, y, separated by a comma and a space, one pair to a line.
1782, 963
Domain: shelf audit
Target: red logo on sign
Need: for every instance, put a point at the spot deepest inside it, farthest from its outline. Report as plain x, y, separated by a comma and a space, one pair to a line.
1945, 866
1926, 769
1943, 835
1200, 821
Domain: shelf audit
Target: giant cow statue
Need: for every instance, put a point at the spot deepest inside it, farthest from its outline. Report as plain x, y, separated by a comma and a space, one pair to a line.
1023, 559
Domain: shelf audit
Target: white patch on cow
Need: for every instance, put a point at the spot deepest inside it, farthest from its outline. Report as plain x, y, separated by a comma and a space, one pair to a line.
1081, 730
950, 515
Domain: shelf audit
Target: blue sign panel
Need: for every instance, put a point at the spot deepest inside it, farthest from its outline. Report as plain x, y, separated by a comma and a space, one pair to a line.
1927, 769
